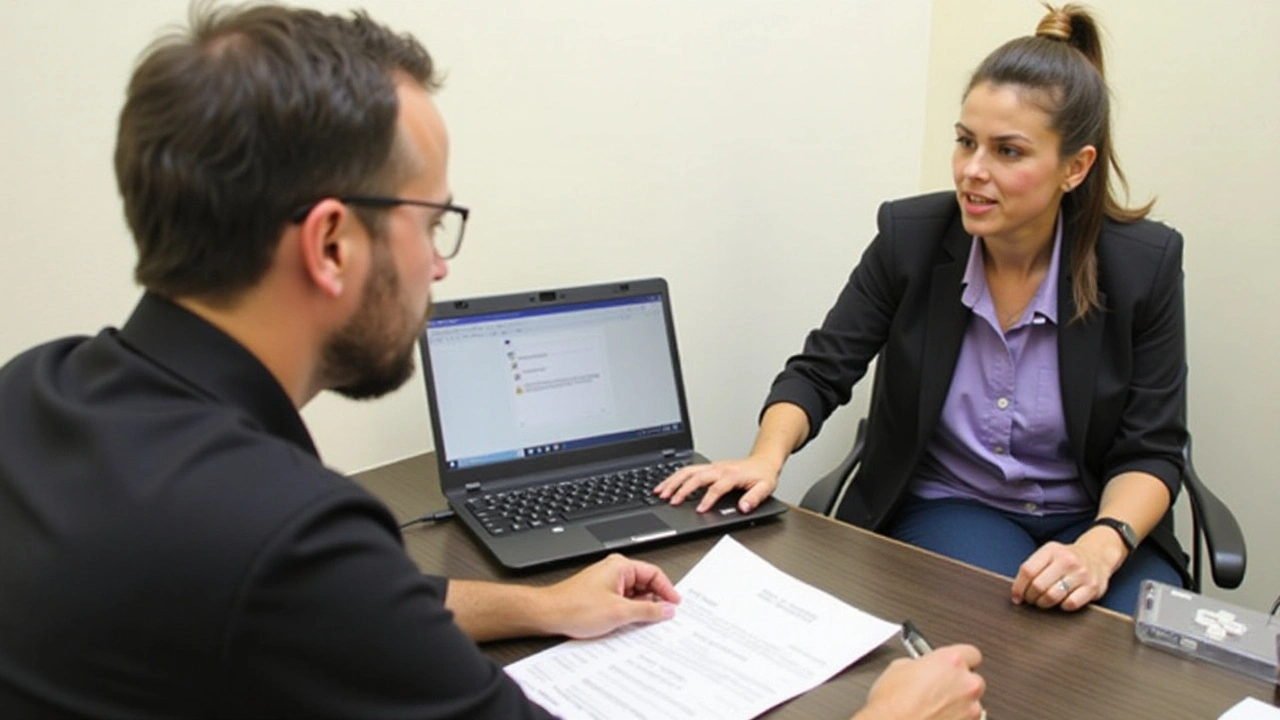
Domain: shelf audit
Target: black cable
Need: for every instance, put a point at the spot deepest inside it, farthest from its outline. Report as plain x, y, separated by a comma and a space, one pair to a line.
1275, 606
430, 518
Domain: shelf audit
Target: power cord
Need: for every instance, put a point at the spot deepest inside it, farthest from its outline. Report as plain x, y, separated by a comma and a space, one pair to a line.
430, 518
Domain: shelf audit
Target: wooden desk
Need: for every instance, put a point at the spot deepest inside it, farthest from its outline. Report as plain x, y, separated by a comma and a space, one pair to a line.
1038, 664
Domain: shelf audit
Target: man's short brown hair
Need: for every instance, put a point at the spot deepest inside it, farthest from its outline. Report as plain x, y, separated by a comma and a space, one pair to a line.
230, 126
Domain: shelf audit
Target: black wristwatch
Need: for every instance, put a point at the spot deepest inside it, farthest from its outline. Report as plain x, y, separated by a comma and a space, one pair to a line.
1127, 535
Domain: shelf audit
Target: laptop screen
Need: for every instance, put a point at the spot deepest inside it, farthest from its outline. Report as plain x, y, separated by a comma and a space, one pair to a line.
543, 380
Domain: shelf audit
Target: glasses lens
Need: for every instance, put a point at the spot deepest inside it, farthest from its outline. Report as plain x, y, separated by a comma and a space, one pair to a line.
447, 234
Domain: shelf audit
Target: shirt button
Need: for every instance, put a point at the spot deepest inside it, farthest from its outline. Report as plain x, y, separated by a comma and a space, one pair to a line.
999, 449
1002, 403
1031, 507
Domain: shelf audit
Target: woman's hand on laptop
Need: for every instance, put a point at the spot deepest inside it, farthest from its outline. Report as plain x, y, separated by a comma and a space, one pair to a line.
783, 428
755, 475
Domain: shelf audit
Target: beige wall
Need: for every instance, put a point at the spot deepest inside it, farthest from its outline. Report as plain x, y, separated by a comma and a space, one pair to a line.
736, 147
1197, 119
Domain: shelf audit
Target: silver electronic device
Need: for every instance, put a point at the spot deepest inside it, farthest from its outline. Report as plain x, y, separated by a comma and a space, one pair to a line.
1205, 628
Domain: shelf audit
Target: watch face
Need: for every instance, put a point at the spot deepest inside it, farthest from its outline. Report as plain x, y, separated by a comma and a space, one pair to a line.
1127, 534
1130, 537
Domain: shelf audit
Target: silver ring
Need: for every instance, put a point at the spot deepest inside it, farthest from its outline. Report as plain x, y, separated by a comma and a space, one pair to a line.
1065, 585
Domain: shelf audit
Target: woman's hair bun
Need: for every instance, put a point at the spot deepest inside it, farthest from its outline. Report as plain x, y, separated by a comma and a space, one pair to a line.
1056, 24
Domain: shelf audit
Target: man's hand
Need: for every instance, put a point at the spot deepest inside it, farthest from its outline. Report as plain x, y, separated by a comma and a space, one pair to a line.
939, 686
609, 594
614, 592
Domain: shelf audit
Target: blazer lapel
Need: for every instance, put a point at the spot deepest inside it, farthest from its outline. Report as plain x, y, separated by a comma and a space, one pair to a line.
1079, 349
948, 319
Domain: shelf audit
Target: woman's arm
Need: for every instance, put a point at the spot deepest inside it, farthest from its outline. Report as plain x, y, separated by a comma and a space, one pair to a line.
1144, 460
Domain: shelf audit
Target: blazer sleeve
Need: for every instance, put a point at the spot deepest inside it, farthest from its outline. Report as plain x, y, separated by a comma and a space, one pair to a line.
835, 355
1152, 430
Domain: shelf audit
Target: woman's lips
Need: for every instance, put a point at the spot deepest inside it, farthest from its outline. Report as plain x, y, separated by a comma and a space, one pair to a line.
976, 204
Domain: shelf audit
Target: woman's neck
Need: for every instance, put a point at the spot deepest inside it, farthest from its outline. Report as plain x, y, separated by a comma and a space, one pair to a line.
1017, 259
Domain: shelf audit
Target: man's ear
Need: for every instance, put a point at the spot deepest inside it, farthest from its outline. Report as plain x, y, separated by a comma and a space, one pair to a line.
325, 246
1078, 167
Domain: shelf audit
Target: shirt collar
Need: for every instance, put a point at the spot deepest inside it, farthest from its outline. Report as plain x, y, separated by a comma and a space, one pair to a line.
1045, 303
215, 364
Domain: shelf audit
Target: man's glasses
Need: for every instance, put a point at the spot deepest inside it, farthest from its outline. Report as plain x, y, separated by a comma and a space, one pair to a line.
446, 231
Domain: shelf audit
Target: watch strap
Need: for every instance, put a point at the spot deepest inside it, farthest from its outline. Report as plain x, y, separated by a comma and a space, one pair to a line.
1124, 529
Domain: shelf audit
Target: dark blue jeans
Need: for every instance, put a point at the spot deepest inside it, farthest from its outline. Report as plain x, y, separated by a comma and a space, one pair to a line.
1000, 541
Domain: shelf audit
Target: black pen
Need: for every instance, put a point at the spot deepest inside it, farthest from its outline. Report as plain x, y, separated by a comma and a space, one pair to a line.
915, 643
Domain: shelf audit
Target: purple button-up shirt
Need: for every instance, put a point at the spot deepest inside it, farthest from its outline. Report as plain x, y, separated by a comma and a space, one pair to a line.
1002, 437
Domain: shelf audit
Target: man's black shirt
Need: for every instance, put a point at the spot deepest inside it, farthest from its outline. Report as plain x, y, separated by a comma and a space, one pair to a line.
171, 545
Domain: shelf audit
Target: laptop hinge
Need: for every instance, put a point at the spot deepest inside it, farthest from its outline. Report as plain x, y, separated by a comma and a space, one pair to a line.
472, 487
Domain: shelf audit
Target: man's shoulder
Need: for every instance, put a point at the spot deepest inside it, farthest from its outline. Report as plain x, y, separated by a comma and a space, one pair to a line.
137, 498
20, 367
222, 467
98, 428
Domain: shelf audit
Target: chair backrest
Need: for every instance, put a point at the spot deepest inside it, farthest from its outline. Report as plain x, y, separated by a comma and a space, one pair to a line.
823, 497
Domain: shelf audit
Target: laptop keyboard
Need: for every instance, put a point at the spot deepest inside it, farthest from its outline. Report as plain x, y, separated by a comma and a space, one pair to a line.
513, 511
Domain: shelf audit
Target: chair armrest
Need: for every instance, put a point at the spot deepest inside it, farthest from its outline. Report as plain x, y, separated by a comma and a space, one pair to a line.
1222, 535
822, 495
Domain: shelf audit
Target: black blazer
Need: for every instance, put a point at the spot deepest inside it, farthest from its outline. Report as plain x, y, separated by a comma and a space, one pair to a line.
1123, 370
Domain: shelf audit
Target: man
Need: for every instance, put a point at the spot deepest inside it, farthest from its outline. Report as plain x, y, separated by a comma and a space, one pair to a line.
170, 543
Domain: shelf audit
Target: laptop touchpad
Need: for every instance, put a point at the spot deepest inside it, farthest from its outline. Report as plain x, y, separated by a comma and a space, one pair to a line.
630, 529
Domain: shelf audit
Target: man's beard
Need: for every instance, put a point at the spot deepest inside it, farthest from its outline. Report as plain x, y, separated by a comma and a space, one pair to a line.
369, 356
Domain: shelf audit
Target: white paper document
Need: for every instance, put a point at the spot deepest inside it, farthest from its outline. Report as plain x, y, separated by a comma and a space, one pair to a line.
746, 637
1251, 709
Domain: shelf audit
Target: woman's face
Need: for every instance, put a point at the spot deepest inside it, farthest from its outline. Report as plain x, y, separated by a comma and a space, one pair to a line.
1008, 174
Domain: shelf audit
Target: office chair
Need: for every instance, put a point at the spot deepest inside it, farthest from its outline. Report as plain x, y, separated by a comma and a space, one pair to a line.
1212, 524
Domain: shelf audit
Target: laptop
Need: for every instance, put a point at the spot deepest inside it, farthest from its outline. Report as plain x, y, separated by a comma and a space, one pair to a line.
555, 412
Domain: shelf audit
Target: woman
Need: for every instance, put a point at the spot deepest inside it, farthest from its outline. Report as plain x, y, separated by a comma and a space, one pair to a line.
1029, 328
